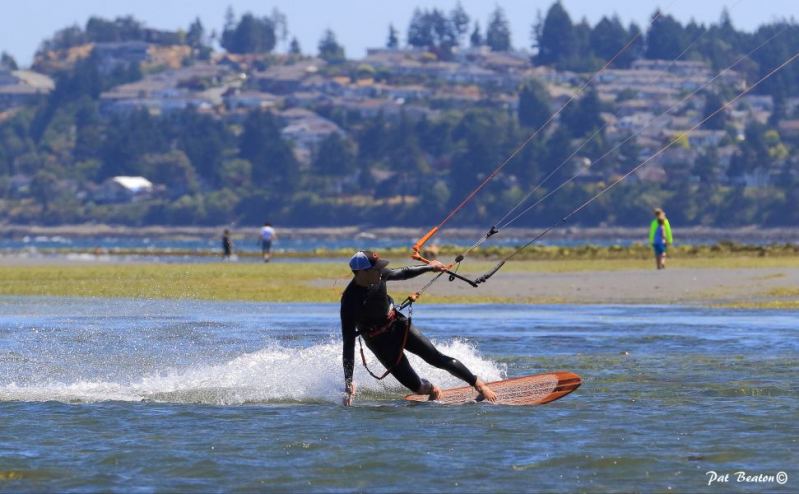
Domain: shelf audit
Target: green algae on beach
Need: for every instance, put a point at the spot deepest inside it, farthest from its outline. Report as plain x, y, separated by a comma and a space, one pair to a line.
324, 281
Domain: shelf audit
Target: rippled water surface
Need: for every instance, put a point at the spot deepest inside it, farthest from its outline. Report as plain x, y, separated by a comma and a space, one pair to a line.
144, 396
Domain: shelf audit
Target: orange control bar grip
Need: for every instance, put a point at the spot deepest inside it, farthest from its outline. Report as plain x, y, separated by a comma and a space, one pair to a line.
420, 243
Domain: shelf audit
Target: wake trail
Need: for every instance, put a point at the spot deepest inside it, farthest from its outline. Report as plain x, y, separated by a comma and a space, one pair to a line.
273, 374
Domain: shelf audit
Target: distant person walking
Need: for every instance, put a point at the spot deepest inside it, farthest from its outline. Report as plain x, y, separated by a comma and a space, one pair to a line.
227, 246
660, 237
267, 237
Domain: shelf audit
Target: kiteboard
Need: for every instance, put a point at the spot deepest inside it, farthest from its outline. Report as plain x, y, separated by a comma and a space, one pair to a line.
525, 390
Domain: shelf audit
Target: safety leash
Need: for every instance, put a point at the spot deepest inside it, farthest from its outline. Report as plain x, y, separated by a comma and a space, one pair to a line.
399, 355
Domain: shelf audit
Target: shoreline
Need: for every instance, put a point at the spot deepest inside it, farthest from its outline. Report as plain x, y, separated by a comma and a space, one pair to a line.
749, 233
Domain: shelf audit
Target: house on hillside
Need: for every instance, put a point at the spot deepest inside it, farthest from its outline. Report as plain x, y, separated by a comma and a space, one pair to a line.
789, 129
200, 86
388, 108
235, 98
306, 130
699, 139
123, 189
23, 87
285, 79
684, 68
112, 55
500, 61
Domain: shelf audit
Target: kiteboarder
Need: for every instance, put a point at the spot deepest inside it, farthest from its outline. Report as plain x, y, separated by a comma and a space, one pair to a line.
368, 310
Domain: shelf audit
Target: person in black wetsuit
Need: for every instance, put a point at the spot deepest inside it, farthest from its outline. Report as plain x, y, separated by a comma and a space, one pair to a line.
367, 309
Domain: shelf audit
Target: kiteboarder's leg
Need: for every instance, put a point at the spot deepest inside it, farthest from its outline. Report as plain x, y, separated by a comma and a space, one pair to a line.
421, 346
385, 348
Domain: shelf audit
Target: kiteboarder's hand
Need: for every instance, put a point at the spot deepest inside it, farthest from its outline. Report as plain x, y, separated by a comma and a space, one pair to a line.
350, 390
437, 266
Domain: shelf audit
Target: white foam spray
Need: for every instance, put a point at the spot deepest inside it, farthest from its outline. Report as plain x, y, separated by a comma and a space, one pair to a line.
272, 374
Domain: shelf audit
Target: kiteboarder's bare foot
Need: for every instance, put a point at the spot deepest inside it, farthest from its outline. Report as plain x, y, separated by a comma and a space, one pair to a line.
435, 393
484, 390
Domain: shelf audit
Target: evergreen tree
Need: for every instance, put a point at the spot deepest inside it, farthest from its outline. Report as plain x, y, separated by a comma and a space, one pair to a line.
460, 20
7, 62
419, 31
230, 22
714, 104
335, 157
89, 130
172, 169
753, 152
608, 38
196, 35
557, 42
126, 28
476, 39
637, 46
498, 31
250, 35
583, 118
127, 138
64, 39
392, 41
405, 151
206, 154
373, 139
782, 38
236, 173
435, 136
294, 47
533, 104
479, 140
329, 49
628, 154
707, 167
280, 24
43, 187
666, 38
273, 162
583, 59
727, 32
433, 31
558, 149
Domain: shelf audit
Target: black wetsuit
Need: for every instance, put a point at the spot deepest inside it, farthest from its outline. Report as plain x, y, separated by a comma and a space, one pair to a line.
365, 308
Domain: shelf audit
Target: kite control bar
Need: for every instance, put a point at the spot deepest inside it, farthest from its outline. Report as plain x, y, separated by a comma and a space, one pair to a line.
415, 254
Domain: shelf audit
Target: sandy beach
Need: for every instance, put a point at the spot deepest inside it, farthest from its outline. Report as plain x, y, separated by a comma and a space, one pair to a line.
684, 286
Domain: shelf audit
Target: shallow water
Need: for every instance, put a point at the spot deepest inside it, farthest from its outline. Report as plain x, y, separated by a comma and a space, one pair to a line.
144, 396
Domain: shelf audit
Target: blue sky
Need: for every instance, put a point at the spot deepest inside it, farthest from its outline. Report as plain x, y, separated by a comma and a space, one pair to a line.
358, 24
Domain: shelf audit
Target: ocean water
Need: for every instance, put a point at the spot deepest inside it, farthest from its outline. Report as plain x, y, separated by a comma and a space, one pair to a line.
306, 243
101, 395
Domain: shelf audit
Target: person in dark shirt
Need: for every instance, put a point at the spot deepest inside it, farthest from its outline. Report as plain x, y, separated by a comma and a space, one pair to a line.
367, 309
227, 246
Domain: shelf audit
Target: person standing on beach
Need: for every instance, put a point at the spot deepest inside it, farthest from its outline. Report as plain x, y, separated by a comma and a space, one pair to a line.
368, 310
227, 245
267, 236
660, 237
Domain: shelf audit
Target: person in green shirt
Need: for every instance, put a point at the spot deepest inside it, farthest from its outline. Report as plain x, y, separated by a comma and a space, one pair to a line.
660, 237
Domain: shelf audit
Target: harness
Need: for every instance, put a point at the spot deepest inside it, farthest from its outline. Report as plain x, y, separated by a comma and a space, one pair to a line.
391, 319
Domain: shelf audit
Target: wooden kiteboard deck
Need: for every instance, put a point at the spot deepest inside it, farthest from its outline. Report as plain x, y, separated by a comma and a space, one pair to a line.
525, 390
